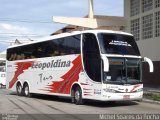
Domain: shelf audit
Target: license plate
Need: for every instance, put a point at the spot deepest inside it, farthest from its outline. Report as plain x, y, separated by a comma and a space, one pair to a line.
126, 97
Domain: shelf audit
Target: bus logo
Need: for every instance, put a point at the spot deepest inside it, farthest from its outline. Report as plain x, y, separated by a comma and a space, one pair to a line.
126, 90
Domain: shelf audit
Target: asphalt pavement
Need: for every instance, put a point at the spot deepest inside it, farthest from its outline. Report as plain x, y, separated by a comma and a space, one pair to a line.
39, 107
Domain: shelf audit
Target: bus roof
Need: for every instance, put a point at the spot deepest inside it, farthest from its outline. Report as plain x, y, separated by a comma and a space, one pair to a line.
70, 34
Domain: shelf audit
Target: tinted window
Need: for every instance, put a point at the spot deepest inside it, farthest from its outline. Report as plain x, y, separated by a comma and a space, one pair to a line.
118, 44
57, 47
91, 57
123, 71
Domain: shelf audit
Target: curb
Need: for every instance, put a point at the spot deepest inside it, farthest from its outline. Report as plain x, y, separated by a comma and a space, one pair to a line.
151, 93
150, 101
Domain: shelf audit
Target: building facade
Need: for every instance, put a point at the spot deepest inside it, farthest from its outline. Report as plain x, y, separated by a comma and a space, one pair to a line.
143, 21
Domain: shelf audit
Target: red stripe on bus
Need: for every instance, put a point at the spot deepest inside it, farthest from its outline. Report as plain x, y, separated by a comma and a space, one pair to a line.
87, 95
83, 84
68, 79
86, 89
21, 66
87, 92
134, 88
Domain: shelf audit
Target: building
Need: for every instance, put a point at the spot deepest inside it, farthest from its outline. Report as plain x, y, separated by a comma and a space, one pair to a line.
71, 28
142, 18
143, 21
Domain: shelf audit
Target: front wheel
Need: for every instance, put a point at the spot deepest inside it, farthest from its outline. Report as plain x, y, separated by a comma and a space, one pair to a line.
78, 96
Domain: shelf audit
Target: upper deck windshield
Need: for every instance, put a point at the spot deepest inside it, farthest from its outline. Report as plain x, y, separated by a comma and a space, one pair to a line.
118, 44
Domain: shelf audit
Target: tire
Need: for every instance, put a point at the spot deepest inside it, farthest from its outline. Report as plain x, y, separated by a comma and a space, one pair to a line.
19, 89
112, 102
26, 90
72, 96
78, 96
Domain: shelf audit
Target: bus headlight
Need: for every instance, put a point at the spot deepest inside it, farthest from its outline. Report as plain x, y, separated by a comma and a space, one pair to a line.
139, 90
109, 90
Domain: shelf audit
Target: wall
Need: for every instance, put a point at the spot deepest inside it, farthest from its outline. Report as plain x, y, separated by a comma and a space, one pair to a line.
148, 47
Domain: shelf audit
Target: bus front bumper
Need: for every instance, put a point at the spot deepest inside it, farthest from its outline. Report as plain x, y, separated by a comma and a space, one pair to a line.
122, 96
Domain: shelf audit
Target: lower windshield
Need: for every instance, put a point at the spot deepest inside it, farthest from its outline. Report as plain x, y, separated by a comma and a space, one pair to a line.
118, 44
123, 71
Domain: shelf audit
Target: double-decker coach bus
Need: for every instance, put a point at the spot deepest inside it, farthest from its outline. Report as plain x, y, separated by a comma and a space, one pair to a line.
93, 64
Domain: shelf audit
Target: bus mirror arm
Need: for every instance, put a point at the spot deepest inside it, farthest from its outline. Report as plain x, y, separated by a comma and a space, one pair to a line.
150, 63
105, 63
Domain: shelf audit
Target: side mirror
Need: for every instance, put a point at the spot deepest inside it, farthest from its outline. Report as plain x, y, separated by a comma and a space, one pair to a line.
150, 63
105, 62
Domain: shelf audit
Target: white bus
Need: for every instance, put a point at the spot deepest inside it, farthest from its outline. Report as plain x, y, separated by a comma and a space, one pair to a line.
93, 64
2, 73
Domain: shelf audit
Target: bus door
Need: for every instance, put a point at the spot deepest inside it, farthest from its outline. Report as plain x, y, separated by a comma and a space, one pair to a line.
92, 63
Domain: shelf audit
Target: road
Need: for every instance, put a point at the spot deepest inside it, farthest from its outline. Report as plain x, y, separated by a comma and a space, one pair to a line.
53, 108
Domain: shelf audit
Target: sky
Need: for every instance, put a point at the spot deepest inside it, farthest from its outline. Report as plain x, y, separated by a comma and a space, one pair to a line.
32, 19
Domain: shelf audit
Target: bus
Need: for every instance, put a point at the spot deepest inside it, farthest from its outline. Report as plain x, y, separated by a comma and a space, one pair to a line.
98, 65
2, 74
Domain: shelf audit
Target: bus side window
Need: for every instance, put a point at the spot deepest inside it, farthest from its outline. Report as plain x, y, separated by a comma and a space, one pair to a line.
10, 57
14, 56
56, 47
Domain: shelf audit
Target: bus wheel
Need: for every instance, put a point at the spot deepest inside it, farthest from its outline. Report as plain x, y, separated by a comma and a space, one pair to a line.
26, 90
19, 89
78, 96
72, 96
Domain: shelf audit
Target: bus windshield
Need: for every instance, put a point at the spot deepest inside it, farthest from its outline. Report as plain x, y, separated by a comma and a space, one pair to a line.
123, 71
118, 44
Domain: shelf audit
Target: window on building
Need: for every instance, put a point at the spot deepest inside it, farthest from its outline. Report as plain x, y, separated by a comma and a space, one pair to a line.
135, 7
147, 26
147, 5
157, 3
157, 24
135, 28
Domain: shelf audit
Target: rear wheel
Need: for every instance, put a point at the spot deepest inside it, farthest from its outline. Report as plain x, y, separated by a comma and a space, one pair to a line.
78, 96
26, 90
19, 89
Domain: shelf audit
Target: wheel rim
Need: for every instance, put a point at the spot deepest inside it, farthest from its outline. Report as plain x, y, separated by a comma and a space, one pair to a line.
26, 90
19, 89
77, 95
